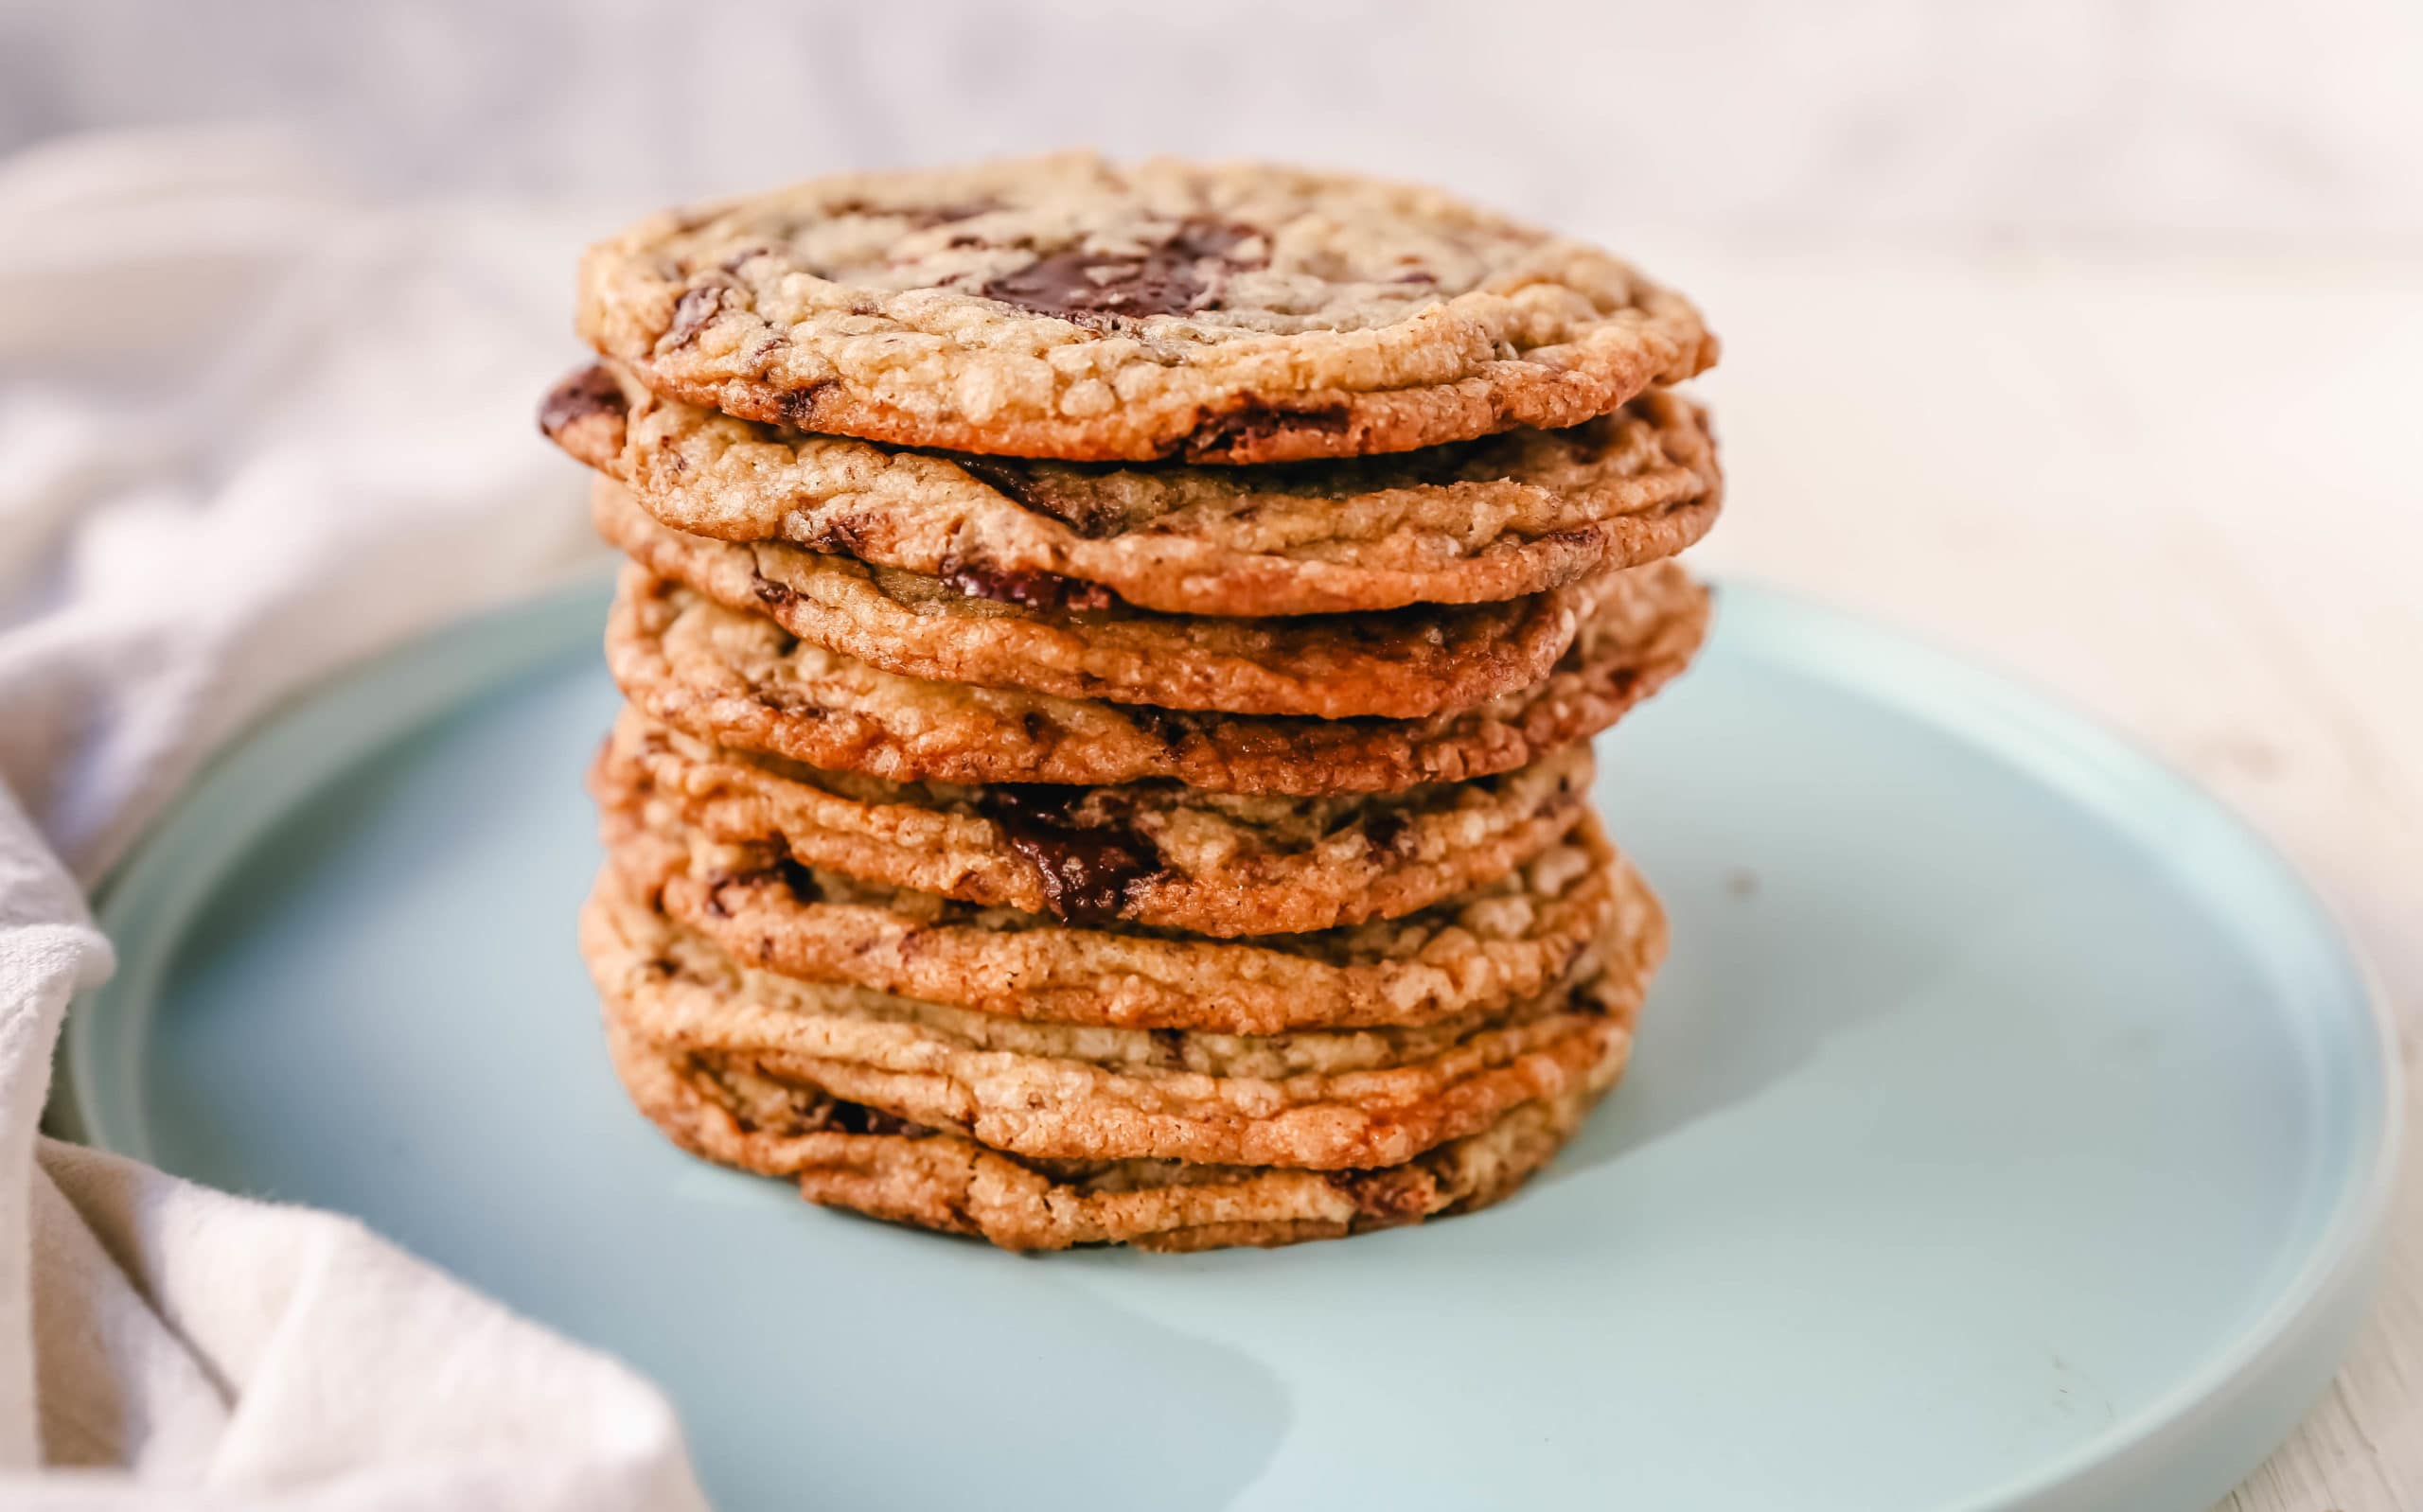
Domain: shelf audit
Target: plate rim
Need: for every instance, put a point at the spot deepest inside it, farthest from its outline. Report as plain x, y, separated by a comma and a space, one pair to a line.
2339, 1271
2329, 1294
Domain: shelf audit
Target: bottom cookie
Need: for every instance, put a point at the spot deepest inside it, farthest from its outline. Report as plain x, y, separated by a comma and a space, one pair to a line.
844, 1154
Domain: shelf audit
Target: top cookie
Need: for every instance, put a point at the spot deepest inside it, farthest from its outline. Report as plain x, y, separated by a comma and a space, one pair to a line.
1071, 307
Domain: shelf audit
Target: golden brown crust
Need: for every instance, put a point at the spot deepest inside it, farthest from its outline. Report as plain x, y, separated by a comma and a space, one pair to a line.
1322, 1100
951, 1183
1073, 307
1497, 946
1496, 518
1156, 853
742, 681
1399, 664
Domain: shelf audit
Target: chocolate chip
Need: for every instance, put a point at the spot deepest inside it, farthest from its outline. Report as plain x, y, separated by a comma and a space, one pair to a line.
1172, 727
796, 407
1079, 508
772, 594
1003, 477
842, 535
1028, 587
1182, 272
782, 871
1088, 869
691, 313
1236, 435
796, 879
590, 391
1388, 1196
1385, 830
858, 1118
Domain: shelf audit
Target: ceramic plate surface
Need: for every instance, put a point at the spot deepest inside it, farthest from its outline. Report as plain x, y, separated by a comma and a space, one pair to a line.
2009, 1129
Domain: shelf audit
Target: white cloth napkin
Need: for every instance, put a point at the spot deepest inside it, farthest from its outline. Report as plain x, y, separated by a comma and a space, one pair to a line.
248, 432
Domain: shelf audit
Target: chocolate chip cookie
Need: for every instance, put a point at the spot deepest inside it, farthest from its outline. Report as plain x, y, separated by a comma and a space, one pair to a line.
1073, 307
743, 681
1500, 517
1396, 664
1154, 854
1481, 952
844, 1155
1321, 1099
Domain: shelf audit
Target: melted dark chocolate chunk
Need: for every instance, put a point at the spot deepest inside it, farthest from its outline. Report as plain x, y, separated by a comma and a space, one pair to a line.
590, 391
1006, 478
772, 594
842, 535
691, 313
1171, 727
783, 871
797, 406
1385, 829
1080, 511
796, 879
858, 1118
1027, 586
1180, 273
1087, 871
1388, 1196
1252, 424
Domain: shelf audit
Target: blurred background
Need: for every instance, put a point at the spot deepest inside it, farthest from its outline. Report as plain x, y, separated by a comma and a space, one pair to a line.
2166, 122
2085, 337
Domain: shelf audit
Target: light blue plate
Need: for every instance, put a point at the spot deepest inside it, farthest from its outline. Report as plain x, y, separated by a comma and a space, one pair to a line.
2010, 1129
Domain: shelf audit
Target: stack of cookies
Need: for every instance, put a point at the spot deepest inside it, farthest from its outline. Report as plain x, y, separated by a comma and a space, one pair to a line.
1110, 656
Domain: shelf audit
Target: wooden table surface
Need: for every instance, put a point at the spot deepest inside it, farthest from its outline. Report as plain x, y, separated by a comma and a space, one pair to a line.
2186, 494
